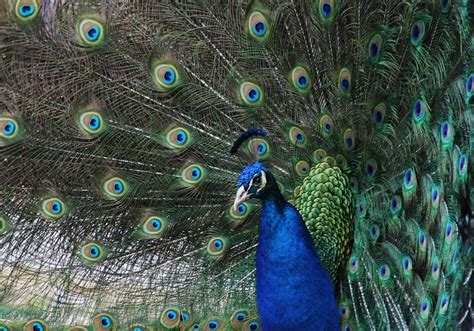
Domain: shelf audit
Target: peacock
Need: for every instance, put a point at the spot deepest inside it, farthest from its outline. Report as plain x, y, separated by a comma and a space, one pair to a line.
236, 165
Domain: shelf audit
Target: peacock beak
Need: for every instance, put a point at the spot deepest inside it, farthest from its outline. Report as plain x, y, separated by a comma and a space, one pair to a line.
240, 197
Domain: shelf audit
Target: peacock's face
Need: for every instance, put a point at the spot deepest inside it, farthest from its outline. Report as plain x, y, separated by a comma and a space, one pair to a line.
252, 182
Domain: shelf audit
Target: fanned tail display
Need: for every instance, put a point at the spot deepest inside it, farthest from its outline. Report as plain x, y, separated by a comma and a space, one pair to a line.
117, 120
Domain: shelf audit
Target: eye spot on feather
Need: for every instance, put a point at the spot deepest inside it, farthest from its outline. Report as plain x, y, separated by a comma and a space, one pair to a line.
409, 182
238, 318
260, 147
319, 155
242, 212
137, 327
375, 47
91, 122
326, 10
422, 242
419, 111
345, 81
103, 321
470, 85
344, 312
361, 209
216, 246
258, 26
53, 208
170, 317
115, 188
349, 139
251, 94
374, 232
251, 325
354, 183
35, 325
407, 265
26, 10
193, 174
395, 205
301, 168
9, 129
300, 79
445, 6
326, 125
444, 303
297, 136
448, 234
425, 307
91, 32
462, 167
447, 135
371, 169
92, 252
353, 265
153, 226
214, 325
417, 33
166, 76
178, 138
379, 114
384, 272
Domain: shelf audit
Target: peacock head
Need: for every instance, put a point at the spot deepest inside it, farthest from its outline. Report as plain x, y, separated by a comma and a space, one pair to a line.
255, 181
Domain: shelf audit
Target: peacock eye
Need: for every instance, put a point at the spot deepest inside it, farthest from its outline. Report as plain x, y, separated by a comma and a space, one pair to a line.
92, 252
326, 10
153, 226
216, 246
213, 325
166, 76
375, 46
417, 33
26, 10
115, 188
8, 128
35, 325
91, 122
300, 79
178, 138
171, 317
91, 32
103, 321
345, 81
251, 94
53, 208
258, 26
254, 326
319, 155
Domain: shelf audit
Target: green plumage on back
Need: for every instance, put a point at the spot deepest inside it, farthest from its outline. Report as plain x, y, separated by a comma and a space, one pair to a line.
117, 184
324, 201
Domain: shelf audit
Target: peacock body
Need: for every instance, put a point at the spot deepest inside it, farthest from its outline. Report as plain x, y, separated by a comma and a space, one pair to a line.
118, 204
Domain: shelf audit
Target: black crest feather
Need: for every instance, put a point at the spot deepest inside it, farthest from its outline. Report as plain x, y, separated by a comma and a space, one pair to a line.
251, 132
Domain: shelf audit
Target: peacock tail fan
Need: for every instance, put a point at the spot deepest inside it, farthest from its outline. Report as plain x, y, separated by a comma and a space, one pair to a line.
116, 122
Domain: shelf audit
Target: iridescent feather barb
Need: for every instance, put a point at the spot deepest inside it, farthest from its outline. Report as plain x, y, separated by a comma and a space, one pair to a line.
117, 186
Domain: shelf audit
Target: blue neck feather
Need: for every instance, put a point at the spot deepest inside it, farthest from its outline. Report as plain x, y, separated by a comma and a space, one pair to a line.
294, 291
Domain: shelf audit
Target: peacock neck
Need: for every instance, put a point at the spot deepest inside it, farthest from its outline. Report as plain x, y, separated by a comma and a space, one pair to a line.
291, 281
